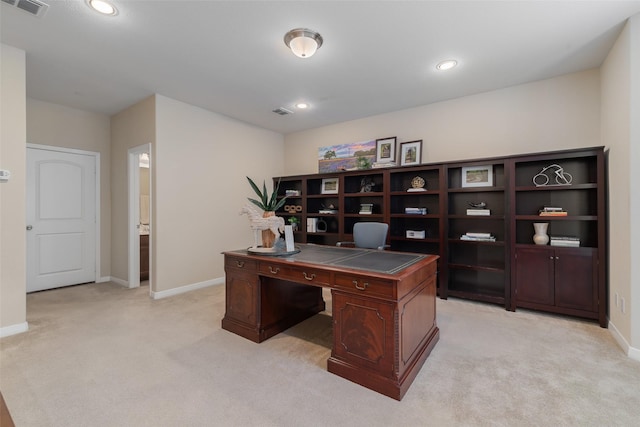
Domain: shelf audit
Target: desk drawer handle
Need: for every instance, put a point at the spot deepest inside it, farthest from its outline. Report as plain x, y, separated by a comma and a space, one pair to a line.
272, 271
313, 276
240, 264
361, 288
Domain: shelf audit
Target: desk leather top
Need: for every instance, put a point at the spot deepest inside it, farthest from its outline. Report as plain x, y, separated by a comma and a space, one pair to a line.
387, 262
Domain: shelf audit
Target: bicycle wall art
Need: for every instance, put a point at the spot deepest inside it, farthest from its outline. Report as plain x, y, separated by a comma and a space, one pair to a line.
555, 171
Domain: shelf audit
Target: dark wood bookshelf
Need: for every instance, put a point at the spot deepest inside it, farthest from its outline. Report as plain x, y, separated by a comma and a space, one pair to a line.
512, 271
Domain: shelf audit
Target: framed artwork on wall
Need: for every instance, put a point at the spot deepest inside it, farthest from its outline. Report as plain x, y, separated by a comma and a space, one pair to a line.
346, 157
386, 150
477, 176
329, 186
410, 153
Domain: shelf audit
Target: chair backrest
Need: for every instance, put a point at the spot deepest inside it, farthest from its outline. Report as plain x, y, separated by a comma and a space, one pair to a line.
371, 235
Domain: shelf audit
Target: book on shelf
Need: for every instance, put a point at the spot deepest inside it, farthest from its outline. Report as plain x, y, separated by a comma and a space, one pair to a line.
328, 211
570, 241
479, 212
478, 237
312, 225
552, 211
565, 243
416, 211
366, 209
556, 213
474, 234
292, 192
415, 234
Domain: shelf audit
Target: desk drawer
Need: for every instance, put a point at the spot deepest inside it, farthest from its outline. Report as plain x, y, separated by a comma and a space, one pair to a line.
294, 274
365, 285
241, 263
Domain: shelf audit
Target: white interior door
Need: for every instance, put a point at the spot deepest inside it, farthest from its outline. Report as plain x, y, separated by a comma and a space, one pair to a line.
61, 219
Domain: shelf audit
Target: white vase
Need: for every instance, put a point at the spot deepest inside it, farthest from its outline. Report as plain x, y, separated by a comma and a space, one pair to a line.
540, 237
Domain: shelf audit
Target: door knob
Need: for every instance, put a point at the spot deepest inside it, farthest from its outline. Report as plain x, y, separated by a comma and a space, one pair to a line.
29, 227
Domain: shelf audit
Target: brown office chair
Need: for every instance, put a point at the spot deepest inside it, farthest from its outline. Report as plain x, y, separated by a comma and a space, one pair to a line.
369, 235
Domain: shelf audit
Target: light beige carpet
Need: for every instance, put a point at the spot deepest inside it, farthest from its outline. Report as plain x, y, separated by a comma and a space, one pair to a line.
102, 355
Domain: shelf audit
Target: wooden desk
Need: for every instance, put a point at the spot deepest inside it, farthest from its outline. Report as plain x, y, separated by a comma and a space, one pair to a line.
383, 307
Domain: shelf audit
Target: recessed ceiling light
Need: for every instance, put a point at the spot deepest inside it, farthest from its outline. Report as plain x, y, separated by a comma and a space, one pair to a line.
302, 105
446, 65
103, 7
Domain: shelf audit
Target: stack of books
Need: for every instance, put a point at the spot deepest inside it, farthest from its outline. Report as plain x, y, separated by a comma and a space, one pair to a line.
478, 211
415, 234
552, 211
291, 193
328, 211
366, 208
478, 237
416, 211
568, 241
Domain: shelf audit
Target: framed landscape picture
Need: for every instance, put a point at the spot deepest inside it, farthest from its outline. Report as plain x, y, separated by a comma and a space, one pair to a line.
386, 150
410, 153
346, 157
329, 186
477, 176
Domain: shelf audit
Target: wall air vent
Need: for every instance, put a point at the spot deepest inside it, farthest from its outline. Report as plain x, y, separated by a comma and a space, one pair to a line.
33, 7
282, 111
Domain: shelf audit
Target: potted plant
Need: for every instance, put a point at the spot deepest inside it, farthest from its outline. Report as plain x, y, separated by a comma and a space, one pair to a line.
269, 204
294, 222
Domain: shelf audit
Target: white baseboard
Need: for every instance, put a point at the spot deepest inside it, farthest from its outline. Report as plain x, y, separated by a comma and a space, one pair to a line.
186, 288
14, 329
124, 283
103, 279
631, 352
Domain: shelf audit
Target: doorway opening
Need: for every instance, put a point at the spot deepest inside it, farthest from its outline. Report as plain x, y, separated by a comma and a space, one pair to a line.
139, 229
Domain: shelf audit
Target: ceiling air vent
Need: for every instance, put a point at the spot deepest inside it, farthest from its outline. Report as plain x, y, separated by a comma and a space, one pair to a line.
282, 111
33, 7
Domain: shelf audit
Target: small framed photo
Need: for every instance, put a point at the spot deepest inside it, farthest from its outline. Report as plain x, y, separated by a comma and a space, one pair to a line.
477, 176
329, 186
386, 150
410, 153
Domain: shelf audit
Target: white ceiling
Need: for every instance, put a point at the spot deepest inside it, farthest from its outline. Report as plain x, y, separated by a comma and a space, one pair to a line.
229, 56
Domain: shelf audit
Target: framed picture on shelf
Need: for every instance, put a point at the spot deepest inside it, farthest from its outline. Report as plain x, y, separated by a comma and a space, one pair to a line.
329, 186
386, 150
410, 153
477, 176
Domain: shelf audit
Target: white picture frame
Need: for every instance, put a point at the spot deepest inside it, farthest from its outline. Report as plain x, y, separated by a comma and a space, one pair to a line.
330, 186
477, 176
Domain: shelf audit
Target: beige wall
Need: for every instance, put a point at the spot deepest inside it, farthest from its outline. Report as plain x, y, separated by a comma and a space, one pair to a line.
130, 128
198, 188
144, 181
621, 131
56, 125
12, 194
634, 178
558, 113
615, 132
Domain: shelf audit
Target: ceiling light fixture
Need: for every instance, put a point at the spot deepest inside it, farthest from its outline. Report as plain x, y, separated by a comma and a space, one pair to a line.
103, 7
303, 42
446, 65
302, 105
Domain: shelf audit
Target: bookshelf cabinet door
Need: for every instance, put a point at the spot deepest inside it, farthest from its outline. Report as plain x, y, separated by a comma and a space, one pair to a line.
534, 276
576, 279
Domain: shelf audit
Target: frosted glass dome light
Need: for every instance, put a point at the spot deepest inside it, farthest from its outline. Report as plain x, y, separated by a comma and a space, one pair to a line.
303, 42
